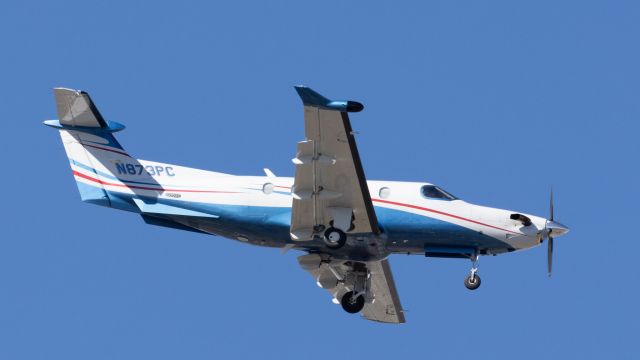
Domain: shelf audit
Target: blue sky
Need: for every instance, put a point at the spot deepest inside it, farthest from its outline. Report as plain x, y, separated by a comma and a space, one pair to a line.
494, 100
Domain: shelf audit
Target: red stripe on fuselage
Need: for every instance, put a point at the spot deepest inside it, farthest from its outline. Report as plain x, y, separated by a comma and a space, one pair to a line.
442, 213
416, 207
79, 174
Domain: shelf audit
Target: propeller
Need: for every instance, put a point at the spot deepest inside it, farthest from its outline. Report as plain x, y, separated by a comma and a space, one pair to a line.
550, 238
552, 228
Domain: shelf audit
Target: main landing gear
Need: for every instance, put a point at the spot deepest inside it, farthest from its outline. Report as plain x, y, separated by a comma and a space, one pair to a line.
334, 238
357, 282
352, 304
472, 281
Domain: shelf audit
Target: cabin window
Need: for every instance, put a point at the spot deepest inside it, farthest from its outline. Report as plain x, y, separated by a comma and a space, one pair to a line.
384, 192
267, 188
434, 192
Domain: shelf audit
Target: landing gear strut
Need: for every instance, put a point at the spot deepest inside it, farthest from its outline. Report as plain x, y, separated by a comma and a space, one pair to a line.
472, 281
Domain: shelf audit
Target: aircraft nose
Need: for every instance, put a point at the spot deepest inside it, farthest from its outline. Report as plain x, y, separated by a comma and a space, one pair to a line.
556, 229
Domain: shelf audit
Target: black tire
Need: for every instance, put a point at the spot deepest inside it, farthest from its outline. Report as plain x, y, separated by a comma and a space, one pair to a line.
335, 238
351, 305
472, 284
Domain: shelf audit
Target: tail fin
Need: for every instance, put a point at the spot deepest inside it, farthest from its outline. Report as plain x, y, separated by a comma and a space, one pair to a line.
89, 143
76, 111
75, 108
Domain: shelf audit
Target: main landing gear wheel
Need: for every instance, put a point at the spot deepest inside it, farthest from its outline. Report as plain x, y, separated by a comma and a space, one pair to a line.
334, 238
352, 304
472, 281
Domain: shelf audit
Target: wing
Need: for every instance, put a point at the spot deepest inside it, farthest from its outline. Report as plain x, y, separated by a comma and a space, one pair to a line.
386, 307
330, 188
383, 302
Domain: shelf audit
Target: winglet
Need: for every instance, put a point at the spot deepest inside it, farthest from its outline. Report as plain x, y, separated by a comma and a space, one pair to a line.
311, 98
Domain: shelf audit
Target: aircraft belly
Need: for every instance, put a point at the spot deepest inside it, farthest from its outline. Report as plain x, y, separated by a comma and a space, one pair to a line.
258, 225
264, 226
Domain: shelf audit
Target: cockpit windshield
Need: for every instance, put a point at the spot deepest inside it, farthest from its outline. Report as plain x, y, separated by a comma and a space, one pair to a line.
434, 192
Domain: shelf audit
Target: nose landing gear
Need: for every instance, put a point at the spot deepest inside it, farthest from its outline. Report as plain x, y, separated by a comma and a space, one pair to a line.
472, 281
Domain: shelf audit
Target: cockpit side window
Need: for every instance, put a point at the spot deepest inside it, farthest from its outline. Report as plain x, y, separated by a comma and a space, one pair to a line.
434, 192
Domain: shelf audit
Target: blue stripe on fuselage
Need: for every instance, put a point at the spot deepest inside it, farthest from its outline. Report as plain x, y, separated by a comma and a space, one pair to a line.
88, 168
419, 230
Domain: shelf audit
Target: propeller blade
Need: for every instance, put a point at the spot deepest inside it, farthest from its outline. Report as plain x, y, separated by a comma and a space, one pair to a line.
549, 255
551, 205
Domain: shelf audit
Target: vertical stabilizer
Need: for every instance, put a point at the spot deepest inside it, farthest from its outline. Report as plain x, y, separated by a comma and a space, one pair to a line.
89, 143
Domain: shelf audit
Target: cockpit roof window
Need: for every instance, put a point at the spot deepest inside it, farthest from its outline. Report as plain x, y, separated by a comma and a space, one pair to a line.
434, 192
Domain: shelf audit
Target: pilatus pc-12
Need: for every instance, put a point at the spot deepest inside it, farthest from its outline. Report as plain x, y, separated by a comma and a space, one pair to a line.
346, 225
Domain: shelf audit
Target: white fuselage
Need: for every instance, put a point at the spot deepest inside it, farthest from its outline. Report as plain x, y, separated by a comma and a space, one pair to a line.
257, 209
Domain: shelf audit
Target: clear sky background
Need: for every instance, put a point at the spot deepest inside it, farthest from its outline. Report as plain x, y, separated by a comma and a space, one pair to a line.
493, 100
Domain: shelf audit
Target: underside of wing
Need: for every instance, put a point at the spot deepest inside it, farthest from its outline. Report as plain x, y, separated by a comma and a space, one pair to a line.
373, 280
386, 307
330, 188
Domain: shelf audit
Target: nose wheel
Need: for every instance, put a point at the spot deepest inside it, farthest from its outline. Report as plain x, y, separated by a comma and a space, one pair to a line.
472, 281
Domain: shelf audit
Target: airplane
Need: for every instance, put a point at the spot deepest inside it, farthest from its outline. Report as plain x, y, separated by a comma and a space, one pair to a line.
347, 226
